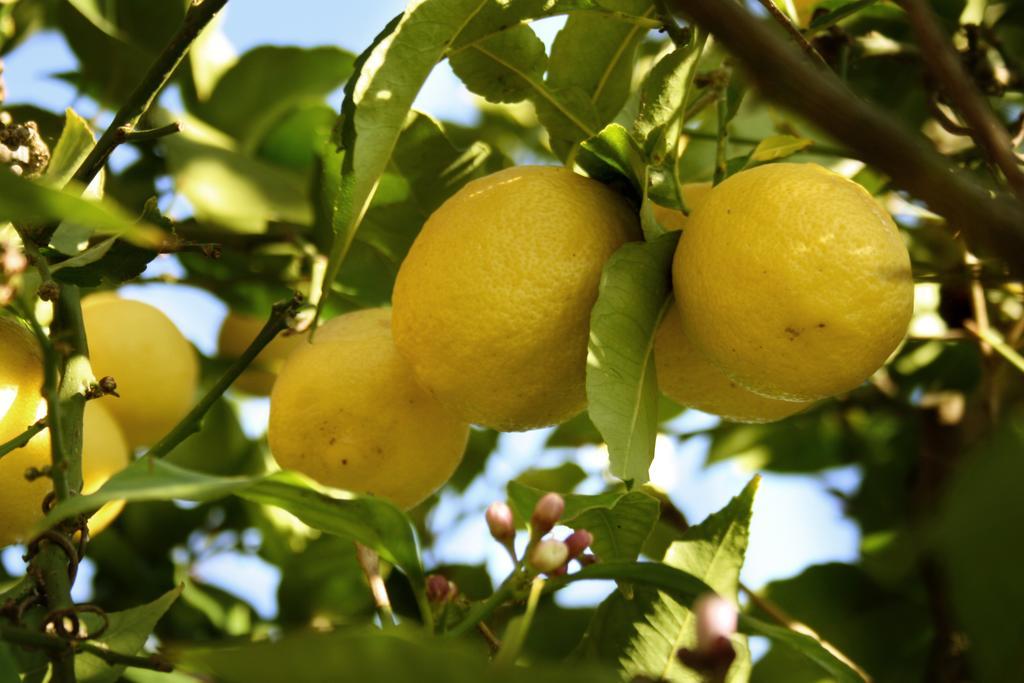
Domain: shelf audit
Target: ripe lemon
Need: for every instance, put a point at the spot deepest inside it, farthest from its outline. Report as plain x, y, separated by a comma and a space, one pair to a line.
104, 449
237, 333
693, 196
154, 365
492, 303
346, 410
794, 281
687, 377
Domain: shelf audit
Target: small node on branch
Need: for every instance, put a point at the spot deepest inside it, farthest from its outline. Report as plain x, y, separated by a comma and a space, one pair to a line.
105, 386
49, 291
33, 473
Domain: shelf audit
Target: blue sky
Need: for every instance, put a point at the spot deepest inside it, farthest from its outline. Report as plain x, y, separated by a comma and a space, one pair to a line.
796, 522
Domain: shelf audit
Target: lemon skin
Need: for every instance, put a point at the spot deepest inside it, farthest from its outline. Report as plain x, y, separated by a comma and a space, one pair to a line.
693, 196
687, 377
347, 411
155, 367
794, 281
492, 303
104, 449
237, 333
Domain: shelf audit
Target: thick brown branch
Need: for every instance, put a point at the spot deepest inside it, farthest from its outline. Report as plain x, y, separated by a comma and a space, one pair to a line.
992, 226
945, 65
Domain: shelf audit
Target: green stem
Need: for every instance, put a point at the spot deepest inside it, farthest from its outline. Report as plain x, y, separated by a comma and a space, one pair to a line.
38, 640
741, 140
721, 145
993, 339
514, 640
192, 423
51, 393
680, 36
129, 135
196, 19
76, 379
482, 610
23, 438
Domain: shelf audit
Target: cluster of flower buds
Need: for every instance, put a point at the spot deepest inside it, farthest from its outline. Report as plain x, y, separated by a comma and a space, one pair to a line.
544, 556
714, 654
440, 590
22, 148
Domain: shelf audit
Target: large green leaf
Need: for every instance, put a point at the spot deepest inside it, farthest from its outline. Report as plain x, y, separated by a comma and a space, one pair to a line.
268, 81
978, 528
622, 388
504, 67
685, 588
25, 201
664, 92
374, 522
389, 74
126, 633
592, 67
368, 655
75, 143
712, 551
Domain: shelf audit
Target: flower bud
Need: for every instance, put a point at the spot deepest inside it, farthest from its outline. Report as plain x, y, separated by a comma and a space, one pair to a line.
547, 556
500, 522
546, 514
440, 589
716, 619
578, 541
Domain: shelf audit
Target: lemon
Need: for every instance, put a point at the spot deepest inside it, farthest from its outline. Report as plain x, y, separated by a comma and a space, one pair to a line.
492, 303
237, 333
104, 449
155, 367
793, 280
693, 196
346, 410
687, 377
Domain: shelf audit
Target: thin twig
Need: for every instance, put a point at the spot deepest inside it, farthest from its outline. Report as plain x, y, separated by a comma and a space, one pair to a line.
780, 616
992, 225
783, 21
679, 35
741, 140
998, 344
492, 640
482, 610
22, 439
196, 19
369, 561
192, 422
941, 59
128, 134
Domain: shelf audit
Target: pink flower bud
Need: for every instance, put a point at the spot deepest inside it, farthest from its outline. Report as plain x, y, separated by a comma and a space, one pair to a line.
716, 619
500, 522
546, 513
440, 589
547, 556
579, 541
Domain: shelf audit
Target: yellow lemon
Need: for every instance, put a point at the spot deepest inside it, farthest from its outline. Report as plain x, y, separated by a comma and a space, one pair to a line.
237, 333
693, 196
492, 303
154, 365
794, 281
687, 377
104, 449
346, 410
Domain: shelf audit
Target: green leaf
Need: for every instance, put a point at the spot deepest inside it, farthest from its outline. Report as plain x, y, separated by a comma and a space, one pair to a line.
561, 479
808, 442
505, 67
980, 518
358, 655
25, 201
611, 156
121, 262
619, 522
269, 81
374, 522
90, 255
323, 580
230, 189
712, 551
8, 666
685, 588
75, 143
659, 121
577, 431
622, 388
592, 57
778, 147
126, 633
91, 11
388, 76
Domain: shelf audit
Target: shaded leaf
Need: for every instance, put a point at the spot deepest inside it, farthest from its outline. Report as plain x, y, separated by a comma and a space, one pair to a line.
75, 143
561, 479
658, 123
778, 147
505, 67
126, 633
622, 388
374, 522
